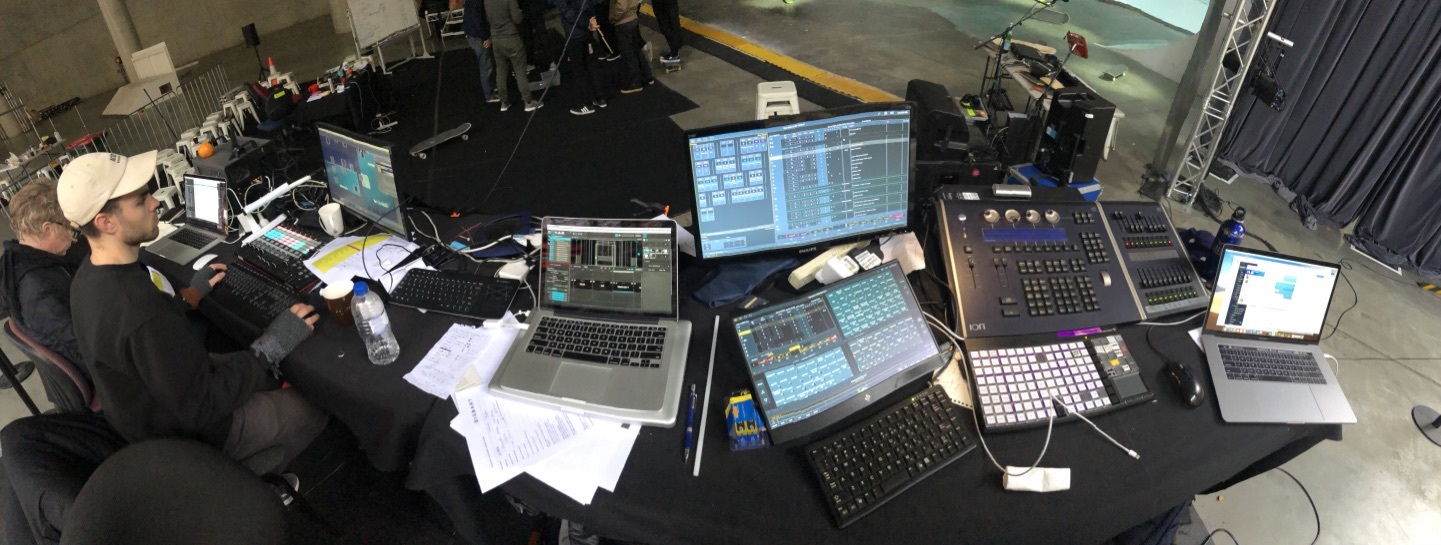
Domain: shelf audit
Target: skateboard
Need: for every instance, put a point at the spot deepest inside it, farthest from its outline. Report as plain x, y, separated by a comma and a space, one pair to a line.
420, 149
670, 66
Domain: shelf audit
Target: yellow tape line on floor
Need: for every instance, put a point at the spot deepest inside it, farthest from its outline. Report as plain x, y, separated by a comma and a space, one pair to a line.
840, 84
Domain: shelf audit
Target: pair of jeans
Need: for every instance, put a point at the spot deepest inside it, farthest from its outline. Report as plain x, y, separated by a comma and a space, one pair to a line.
630, 46
482, 54
510, 59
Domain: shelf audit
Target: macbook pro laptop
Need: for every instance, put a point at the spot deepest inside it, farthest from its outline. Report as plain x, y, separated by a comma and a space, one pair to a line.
207, 215
606, 338
1262, 340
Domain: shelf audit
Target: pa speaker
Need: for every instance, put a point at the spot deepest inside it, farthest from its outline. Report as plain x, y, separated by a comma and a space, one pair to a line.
252, 38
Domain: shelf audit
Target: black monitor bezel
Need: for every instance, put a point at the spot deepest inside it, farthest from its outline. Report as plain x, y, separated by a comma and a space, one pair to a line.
399, 194
810, 250
857, 403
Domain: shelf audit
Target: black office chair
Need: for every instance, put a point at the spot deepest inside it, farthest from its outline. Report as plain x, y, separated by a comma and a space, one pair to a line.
174, 491
66, 387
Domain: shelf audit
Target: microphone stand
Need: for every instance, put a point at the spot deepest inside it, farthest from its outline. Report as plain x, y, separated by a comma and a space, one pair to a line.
1005, 36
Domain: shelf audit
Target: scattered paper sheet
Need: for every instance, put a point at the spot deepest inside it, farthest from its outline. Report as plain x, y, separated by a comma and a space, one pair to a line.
1196, 336
367, 257
595, 461
440, 371
953, 381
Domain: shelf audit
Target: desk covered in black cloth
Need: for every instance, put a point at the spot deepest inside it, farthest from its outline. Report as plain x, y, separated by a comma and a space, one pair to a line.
770, 495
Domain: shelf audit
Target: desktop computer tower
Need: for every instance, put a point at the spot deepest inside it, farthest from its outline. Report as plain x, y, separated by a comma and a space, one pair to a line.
1075, 136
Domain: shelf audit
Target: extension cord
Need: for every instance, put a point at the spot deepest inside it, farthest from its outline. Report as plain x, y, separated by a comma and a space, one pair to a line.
804, 274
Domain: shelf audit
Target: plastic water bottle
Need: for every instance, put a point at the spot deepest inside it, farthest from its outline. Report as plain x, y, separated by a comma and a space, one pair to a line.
374, 326
1231, 233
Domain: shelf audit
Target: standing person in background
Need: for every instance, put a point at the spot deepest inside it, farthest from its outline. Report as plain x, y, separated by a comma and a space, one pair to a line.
505, 19
532, 32
667, 17
574, 20
477, 32
630, 45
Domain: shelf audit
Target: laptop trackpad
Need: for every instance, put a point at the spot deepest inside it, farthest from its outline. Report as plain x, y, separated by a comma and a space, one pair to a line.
579, 381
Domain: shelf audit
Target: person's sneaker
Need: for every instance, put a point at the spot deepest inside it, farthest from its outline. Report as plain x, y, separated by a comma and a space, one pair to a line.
530, 68
631, 90
294, 481
504, 106
612, 57
583, 110
493, 100
599, 103
650, 81
533, 105
671, 58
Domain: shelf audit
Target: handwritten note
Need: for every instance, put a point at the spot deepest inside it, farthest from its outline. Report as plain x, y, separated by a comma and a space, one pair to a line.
440, 371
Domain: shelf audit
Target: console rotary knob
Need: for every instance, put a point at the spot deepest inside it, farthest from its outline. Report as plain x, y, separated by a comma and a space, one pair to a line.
1013, 216
991, 216
1033, 216
1053, 217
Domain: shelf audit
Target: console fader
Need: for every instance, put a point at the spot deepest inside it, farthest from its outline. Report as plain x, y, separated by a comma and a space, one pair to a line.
1043, 264
1164, 280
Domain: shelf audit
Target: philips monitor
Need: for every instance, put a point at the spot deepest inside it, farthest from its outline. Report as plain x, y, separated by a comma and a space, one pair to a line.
361, 177
799, 183
818, 359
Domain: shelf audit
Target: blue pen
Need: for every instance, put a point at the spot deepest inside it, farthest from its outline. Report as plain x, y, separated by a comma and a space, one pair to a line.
690, 423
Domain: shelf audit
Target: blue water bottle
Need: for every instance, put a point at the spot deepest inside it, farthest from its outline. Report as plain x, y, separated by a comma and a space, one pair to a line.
1231, 232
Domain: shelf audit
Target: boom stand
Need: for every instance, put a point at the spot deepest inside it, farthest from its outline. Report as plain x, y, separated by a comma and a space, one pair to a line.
1428, 421
995, 70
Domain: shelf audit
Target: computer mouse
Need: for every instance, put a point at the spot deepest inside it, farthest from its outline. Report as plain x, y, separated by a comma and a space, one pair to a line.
203, 261
1186, 385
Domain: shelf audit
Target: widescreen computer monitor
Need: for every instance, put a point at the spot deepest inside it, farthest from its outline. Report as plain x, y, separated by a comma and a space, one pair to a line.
817, 359
362, 177
796, 184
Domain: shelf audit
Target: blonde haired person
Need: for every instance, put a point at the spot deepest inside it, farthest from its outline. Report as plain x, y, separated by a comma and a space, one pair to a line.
35, 274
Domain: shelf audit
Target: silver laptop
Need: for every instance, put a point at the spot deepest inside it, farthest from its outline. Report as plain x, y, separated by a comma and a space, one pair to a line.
607, 338
207, 215
1262, 339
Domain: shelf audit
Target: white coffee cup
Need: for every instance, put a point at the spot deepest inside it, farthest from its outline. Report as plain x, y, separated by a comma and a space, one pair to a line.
331, 220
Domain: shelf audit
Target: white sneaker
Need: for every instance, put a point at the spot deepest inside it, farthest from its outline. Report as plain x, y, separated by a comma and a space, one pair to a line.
504, 106
533, 106
294, 481
583, 110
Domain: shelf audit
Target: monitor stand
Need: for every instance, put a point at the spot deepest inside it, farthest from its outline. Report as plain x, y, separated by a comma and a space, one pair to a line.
1428, 421
735, 279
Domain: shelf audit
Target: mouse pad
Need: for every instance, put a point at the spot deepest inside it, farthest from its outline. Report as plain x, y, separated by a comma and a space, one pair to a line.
579, 381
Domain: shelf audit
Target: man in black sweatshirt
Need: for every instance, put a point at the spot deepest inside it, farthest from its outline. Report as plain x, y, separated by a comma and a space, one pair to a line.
155, 378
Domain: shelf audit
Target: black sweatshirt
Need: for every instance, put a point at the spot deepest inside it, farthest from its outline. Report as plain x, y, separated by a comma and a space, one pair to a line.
154, 377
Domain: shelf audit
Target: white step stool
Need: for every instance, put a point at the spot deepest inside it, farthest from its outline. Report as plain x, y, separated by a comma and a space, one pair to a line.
776, 98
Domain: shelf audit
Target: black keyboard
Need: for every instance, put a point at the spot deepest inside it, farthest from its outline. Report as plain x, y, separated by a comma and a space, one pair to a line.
1016, 377
459, 294
866, 465
599, 342
1270, 364
250, 294
192, 238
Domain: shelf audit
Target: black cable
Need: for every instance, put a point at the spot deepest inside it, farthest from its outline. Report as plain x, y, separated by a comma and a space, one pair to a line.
1308, 499
1355, 299
1218, 531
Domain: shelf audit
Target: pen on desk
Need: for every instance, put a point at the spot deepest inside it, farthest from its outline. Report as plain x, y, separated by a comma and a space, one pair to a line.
690, 423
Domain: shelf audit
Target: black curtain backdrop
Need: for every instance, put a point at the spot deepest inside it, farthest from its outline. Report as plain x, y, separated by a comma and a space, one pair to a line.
1358, 138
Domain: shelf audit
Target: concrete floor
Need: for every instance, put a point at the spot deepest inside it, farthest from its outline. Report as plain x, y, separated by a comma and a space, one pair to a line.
1376, 486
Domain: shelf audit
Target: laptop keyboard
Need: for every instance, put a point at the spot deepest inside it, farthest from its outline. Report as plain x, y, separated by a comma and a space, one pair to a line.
192, 238
611, 344
1268, 364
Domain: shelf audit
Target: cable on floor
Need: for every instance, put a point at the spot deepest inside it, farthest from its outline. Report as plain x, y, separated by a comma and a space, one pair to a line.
1355, 300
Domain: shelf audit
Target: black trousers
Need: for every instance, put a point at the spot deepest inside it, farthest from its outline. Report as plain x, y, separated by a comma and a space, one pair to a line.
629, 44
667, 17
579, 62
48, 459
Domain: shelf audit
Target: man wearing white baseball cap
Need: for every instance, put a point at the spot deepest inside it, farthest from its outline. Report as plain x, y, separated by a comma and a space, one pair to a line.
154, 378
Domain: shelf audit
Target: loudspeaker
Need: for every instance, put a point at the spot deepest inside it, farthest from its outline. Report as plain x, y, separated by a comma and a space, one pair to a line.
1075, 135
252, 38
940, 128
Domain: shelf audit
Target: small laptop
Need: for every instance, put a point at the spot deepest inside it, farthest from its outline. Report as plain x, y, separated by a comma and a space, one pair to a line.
606, 338
207, 215
1262, 340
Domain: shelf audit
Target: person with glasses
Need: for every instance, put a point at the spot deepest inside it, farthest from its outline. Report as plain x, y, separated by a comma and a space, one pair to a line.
35, 273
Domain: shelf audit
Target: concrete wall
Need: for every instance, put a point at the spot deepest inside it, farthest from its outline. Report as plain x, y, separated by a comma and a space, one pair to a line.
52, 50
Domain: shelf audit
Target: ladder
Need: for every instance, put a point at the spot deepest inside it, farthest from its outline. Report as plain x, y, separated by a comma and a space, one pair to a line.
1248, 31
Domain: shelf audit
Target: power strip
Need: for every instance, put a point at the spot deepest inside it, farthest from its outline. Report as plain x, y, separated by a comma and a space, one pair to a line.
804, 274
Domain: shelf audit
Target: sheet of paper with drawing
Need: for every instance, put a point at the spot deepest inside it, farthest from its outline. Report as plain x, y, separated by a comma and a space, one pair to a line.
370, 257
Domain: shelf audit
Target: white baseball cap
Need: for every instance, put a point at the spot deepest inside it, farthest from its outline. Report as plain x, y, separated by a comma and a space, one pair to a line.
92, 179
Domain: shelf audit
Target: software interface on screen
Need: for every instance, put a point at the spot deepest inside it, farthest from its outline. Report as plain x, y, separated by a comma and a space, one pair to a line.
205, 200
610, 269
1263, 295
362, 179
814, 353
795, 185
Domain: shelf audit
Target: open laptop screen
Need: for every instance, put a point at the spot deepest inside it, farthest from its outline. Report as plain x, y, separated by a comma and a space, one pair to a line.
614, 266
1270, 295
205, 202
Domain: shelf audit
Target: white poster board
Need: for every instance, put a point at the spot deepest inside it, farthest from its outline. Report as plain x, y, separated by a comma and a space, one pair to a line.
372, 21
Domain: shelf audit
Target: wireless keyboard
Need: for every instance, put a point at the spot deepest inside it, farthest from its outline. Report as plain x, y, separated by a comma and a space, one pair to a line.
866, 465
459, 294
